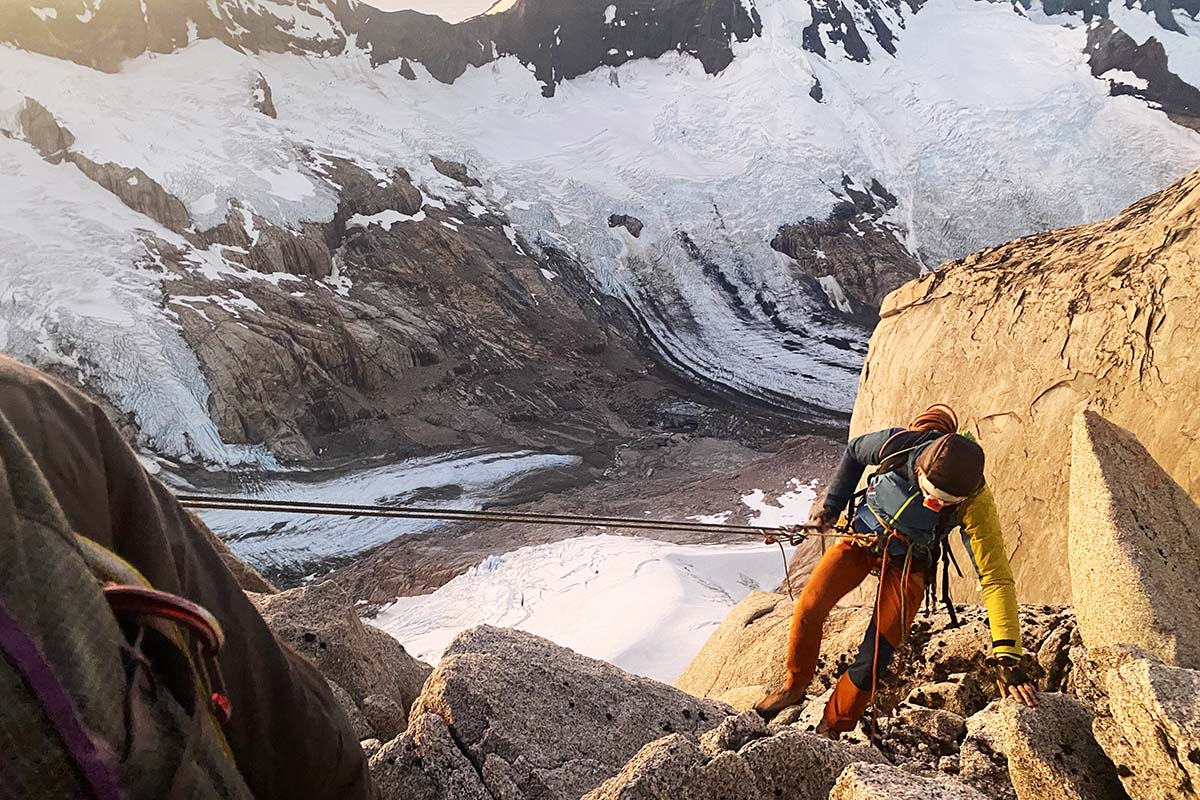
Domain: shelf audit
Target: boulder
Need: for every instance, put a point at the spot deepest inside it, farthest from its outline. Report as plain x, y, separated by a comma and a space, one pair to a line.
1152, 727
546, 722
358, 723
745, 656
941, 729
882, 782
319, 622
1099, 316
963, 696
1132, 551
425, 763
759, 764
1049, 751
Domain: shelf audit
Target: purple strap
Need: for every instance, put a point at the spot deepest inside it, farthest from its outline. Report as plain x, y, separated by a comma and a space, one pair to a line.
97, 771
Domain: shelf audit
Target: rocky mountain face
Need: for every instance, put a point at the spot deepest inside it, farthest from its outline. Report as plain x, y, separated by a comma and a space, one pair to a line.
364, 232
1020, 337
507, 714
557, 41
451, 336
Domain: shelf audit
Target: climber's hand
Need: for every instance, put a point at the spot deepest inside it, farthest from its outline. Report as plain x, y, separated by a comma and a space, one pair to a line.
823, 519
1014, 682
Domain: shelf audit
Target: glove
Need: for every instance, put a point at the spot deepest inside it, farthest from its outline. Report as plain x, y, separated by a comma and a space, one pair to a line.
823, 518
1014, 682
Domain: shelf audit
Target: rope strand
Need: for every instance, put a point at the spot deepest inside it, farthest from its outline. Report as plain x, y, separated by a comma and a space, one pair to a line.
216, 503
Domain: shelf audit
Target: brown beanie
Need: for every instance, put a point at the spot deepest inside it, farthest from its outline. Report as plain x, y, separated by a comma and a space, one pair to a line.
953, 464
938, 417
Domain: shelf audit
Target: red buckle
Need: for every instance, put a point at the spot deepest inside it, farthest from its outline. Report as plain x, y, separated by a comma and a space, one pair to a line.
195, 619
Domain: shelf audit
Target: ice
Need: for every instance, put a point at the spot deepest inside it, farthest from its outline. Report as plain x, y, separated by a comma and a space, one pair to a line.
295, 543
643, 605
610, 14
70, 296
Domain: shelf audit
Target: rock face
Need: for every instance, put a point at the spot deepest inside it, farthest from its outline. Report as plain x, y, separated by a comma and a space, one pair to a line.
1133, 551
583, 36
449, 336
881, 782
371, 667
1100, 316
1150, 726
424, 763
1048, 752
741, 760
542, 721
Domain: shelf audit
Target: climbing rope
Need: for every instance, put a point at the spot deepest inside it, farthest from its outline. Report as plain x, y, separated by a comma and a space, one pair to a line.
793, 534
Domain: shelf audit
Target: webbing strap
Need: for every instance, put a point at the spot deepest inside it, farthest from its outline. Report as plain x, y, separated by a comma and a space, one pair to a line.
94, 765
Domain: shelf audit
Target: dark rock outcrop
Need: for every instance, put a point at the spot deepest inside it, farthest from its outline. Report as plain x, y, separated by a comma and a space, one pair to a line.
628, 222
261, 92
372, 668
454, 171
855, 247
1110, 48
134, 187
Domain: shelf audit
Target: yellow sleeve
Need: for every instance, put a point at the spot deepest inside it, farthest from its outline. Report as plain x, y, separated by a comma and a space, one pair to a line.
981, 522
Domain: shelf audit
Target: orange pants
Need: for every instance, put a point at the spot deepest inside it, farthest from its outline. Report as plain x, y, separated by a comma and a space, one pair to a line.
843, 567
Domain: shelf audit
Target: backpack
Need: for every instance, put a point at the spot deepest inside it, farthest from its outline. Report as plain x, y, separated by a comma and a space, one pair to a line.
103, 689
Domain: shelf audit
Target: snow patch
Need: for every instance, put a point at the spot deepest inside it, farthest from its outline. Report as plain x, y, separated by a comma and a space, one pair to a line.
610, 14
789, 508
385, 219
45, 13
1127, 78
643, 605
833, 290
501, 6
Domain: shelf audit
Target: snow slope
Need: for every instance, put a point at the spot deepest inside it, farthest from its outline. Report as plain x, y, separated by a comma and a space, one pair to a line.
644, 605
985, 125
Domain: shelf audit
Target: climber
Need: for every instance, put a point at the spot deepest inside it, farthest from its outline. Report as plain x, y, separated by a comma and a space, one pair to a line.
131, 662
930, 480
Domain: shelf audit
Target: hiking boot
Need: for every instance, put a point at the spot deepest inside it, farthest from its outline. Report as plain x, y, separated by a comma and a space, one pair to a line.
823, 729
775, 702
